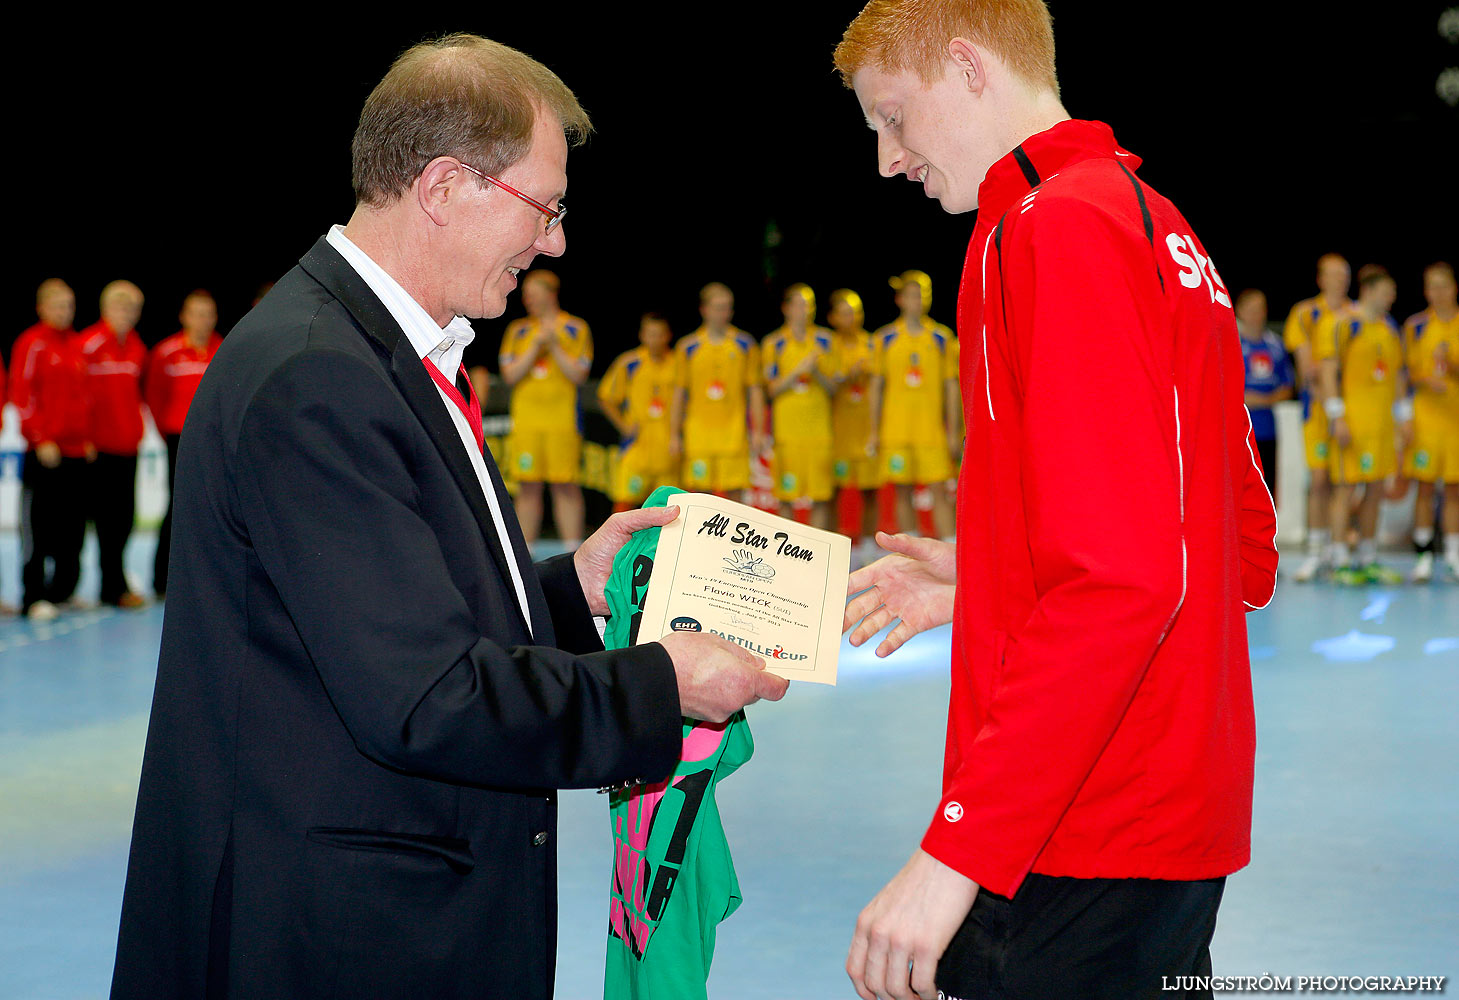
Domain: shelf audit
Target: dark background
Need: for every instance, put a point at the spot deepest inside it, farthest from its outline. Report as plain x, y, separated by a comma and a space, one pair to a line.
725, 149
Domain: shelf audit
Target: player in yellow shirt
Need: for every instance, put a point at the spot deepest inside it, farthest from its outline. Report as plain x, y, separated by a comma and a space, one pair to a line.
1431, 341
719, 395
800, 371
544, 358
854, 460
1363, 390
638, 397
1333, 278
915, 402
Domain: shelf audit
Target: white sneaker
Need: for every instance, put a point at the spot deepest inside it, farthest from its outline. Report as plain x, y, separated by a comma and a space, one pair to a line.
43, 611
1309, 569
1423, 568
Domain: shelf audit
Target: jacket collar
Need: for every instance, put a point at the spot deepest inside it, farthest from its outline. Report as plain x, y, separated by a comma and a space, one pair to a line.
1041, 156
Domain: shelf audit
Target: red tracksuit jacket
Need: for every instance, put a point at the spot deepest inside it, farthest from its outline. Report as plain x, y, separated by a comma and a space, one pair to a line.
1113, 527
174, 369
114, 379
48, 387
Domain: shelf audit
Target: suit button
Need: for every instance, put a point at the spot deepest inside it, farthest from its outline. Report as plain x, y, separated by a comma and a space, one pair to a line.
539, 839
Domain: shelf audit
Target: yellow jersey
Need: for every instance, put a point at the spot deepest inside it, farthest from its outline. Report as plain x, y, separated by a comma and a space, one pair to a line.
1303, 320
715, 375
1432, 348
1369, 355
803, 410
914, 368
639, 390
851, 406
545, 398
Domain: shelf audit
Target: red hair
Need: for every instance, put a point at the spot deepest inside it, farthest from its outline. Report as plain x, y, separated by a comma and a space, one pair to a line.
897, 35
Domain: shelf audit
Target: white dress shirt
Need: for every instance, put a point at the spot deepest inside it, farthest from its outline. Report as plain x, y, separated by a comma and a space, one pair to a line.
444, 349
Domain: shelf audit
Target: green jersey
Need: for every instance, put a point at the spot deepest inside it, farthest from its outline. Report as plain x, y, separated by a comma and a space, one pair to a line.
673, 879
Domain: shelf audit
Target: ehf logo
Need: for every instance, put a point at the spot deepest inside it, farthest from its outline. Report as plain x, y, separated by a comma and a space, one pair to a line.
684, 624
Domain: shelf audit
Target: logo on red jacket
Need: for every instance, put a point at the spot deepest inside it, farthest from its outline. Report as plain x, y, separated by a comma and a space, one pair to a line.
952, 812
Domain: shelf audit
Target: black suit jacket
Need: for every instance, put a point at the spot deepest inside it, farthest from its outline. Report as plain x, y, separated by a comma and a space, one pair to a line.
348, 784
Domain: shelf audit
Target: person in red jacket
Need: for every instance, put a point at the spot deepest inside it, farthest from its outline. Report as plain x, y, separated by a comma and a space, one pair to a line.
174, 368
1098, 779
48, 388
114, 357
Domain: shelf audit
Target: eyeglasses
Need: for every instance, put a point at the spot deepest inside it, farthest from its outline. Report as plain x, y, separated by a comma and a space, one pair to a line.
554, 215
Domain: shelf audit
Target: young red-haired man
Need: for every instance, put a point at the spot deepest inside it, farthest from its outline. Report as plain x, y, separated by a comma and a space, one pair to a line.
1112, 527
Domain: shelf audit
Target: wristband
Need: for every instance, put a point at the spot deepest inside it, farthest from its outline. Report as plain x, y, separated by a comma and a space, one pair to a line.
1403, 410
1335, 407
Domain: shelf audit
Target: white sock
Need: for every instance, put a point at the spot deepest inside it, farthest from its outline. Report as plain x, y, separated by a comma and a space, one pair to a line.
1318, 540
1451, 547
1341, 556
1423, 536
1367, 551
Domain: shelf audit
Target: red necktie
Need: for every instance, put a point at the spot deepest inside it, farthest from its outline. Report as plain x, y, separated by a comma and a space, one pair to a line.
471, 410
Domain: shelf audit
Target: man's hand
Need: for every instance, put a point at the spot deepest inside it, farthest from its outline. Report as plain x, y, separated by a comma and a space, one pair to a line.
1341, 433
908, 924
916, 583
49, 454
594, 558
718, 678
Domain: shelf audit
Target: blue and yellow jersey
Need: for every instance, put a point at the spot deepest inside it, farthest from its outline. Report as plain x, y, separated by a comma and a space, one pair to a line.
803, 410
1303, 320
546, 399
715, 375
1369, 355
639, 390
913, 368
851, 406
1431, 347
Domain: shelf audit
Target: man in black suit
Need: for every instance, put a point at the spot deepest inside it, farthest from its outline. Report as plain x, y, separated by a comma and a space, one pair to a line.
366, 693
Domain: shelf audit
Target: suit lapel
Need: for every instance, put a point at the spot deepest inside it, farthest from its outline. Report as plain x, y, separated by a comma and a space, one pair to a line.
326, 266
542, 633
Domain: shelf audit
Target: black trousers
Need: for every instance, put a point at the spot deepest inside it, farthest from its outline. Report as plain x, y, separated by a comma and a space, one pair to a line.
52, 528
113, 509
164, 534
1083, 939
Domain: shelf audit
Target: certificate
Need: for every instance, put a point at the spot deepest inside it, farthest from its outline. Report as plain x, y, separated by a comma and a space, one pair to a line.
775, 587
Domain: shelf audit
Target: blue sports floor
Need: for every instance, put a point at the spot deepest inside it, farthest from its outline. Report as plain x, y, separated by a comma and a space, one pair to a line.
1356, 841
